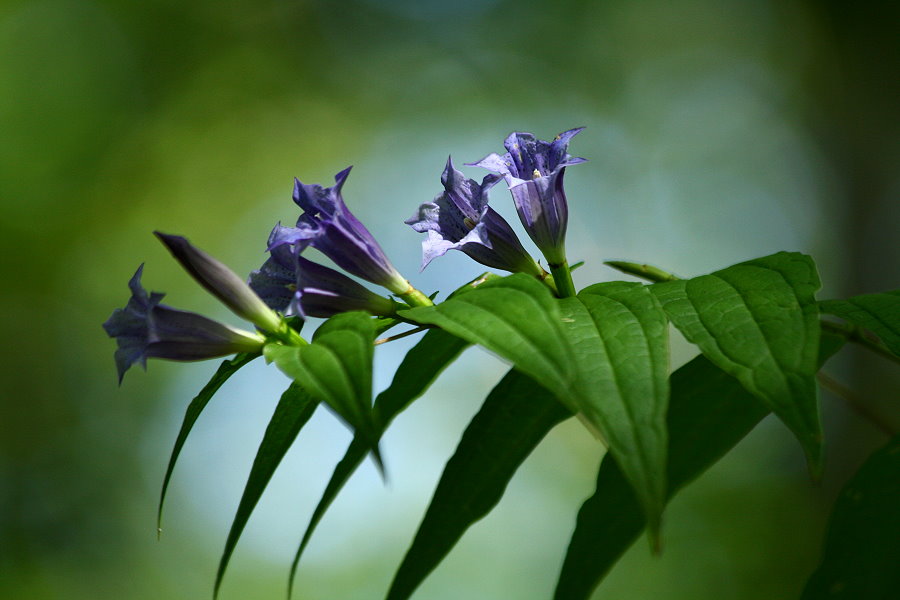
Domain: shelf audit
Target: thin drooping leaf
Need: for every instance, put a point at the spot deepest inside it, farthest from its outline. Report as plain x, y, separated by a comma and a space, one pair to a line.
225, 370
420, 367
619, 334
879, 313
293, 411
862, 548
709, 413
515, 417
758, 321
336, 368
566, 346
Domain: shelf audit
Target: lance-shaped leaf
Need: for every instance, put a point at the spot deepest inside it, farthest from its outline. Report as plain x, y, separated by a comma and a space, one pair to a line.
225, 370
294, 409
758, 321
709, 412
568, 346
862, 549
515, 417
879, 313
619, 334
419, 368
336, 368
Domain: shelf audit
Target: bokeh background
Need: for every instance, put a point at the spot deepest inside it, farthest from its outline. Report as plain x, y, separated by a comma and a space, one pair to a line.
716, 132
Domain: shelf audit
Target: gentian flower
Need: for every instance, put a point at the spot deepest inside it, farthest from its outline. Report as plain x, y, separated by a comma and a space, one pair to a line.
534, 171
223, 283
147, 329
328, 226
460, 219
296, 286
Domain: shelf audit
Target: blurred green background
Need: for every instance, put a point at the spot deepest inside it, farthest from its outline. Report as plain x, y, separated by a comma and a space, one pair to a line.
716, 132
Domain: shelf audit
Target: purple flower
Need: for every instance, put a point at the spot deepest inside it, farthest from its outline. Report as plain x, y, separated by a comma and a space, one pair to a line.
534, 171
328, 226
460, 219
147, 329
222, 282
296, 286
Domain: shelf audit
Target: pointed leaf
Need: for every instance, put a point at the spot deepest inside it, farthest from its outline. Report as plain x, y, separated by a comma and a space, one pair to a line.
517, 318
879, 313
619, 333
862, 549
336, 368
515, 417
758, 321
709, 413
292, 413
420, 367
225, 370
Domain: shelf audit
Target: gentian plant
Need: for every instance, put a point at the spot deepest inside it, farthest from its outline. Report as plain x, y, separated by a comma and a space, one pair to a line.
599, 353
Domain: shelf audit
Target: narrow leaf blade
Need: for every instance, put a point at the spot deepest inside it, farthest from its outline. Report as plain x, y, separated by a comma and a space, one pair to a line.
619, 334
515, 417
222, 374
862, 548
293, 411
420, 367
758, 321
709, 413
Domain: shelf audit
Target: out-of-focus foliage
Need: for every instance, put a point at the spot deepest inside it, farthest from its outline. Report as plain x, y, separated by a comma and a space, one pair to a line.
717, 131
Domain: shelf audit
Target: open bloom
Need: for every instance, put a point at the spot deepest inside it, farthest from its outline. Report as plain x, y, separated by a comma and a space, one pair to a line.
222, 282
534, 171
147, 329
460, 219
328, 226
295, 286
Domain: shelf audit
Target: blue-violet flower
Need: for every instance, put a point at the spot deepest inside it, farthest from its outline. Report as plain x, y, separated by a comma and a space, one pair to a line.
459, 218
534, 171
147, 329
328, 226
296, 286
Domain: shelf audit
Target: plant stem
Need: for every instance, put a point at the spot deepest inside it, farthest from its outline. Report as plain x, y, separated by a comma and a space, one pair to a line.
855, 402
409, 332
648, 272
414, 297
562, 277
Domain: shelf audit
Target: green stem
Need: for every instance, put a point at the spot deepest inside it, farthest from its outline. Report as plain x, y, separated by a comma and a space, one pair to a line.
648, 272
856, 403
414, 297
562, 277
856, 335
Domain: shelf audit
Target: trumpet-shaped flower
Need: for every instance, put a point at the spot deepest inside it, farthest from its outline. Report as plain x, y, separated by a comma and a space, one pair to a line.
534, 171
296, 286
147, 329
460, 219
327, 225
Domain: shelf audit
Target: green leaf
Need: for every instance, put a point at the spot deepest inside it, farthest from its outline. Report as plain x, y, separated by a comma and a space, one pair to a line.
619, 334
293, 411
515, 417
336, 368
709, 413
225, 370
603, 354
758, 321
862, 548
879, 313
420, 367
515, 317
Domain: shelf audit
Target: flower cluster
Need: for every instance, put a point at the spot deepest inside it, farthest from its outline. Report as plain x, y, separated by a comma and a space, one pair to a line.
287, 284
